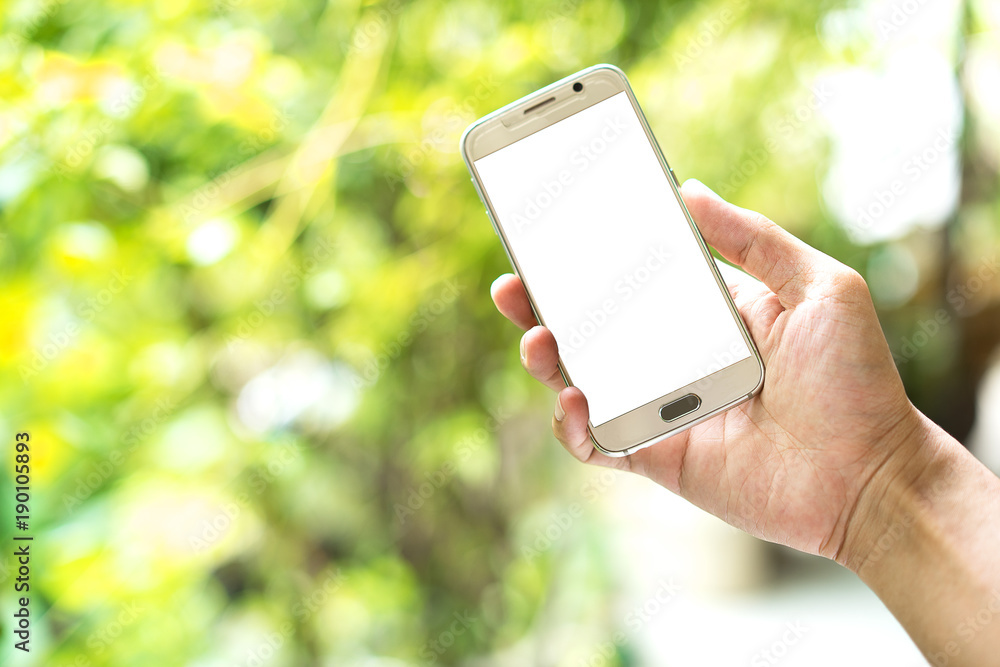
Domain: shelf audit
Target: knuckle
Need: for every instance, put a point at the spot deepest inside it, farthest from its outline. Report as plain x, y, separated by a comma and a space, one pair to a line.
846, 285
851, 282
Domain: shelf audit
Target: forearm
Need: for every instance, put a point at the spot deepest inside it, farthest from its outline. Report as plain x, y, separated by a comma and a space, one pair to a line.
927, 541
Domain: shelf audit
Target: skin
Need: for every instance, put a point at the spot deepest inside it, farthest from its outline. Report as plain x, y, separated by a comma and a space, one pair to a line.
830, 458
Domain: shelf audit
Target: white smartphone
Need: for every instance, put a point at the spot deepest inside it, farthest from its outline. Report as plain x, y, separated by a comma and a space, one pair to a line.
591, 217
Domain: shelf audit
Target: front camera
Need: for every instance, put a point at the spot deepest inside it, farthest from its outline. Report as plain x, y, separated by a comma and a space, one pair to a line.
577, 87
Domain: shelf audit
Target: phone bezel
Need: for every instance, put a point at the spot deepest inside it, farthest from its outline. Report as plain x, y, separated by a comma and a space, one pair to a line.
642, 426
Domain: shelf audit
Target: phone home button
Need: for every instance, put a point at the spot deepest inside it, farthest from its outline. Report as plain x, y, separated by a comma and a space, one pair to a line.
684, 405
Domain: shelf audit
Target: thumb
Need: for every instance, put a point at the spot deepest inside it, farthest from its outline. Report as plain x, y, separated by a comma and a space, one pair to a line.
760, 247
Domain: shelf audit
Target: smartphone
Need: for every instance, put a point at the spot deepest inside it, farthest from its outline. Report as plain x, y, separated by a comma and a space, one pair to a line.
592, 220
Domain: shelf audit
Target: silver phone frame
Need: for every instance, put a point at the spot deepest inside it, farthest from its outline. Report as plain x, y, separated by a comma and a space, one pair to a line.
735, 383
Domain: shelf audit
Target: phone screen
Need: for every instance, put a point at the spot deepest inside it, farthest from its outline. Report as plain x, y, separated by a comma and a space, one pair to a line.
605, 249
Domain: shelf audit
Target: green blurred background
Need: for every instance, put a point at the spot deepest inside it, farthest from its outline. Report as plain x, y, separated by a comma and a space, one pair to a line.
275, 419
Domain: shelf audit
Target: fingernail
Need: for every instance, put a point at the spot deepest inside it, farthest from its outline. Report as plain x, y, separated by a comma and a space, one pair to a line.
560, 413
523, 356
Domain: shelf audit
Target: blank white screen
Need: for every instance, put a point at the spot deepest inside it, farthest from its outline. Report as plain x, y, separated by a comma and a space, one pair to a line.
606, 251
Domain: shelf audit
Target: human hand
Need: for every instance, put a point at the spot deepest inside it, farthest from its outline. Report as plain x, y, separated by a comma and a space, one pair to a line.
790, 464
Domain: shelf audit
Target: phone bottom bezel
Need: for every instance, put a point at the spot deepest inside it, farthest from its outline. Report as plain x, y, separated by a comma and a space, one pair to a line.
638, 428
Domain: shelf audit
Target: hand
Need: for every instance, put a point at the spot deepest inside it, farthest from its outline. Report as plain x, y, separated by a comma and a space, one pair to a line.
789, 465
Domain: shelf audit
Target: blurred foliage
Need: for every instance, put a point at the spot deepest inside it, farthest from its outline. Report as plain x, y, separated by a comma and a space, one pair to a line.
245, 316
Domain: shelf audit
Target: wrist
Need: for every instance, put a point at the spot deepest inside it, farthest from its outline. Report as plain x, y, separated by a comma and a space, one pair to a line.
918, 467
923, 537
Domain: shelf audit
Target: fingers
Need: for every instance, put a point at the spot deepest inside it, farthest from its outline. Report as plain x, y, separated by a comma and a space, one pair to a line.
569, 422
569, 425
784, 263
512, 301
540, 357
539, 353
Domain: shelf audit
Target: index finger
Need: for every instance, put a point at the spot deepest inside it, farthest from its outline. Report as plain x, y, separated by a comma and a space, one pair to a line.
512, 301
